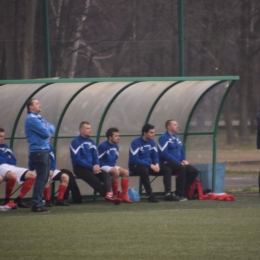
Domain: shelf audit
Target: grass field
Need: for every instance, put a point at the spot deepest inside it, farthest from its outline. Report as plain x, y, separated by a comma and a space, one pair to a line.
167, 230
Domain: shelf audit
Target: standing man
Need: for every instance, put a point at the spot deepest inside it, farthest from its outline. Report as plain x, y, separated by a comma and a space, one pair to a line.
38, 131
171, 153
108, 154
67, 182
86, 166
144, 161
11, 174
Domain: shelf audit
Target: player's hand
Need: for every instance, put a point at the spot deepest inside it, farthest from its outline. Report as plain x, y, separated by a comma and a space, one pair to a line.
96, 169
155, 167
184, 162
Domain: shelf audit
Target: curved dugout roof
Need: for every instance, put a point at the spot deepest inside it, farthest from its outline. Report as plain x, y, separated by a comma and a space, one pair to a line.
126, 103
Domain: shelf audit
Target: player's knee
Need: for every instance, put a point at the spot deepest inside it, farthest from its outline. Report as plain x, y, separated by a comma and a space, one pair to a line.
124, 173
114, 172
11, 175
64, 178
30, 174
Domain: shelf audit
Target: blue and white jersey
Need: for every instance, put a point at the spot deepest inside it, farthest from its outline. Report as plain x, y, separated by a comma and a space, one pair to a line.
142, 152
83, 152
170, 148
108, 154
6, 155
37, 133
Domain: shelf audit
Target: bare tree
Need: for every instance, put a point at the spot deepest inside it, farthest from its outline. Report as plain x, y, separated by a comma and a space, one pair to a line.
28, 47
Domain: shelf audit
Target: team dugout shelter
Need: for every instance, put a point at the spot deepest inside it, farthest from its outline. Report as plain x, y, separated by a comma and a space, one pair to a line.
126, 103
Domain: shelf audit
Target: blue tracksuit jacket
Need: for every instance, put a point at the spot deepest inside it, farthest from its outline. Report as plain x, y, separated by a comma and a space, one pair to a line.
170, 148
142, 153
83, 152
6, 155
37, 134
108, 154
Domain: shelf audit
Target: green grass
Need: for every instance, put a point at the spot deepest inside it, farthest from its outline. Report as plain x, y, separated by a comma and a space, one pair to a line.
243, 190
167, 230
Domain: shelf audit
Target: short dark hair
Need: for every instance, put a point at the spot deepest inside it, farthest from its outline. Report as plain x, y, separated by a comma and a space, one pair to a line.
110, 131
146, 128
168, 122
83, 123
2, 130
29, 103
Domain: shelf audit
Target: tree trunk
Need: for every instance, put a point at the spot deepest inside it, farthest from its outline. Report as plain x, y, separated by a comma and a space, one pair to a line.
28, 47
243, 88
9, 44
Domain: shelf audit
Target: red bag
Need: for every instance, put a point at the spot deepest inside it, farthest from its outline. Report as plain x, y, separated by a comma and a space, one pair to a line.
195, 191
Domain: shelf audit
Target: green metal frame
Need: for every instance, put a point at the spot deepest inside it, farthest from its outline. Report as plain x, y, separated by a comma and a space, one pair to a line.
59, 124
91, 81
55, 139
214, 161
216, 133
107, 108
72, 80
157, 100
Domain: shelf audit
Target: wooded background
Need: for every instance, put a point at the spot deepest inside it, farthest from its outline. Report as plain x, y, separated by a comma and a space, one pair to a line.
137, 38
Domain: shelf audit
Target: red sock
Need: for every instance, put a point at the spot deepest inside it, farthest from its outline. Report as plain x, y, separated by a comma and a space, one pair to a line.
47, 193
124, 185
115, 188
62, 189
9, 188
26, 187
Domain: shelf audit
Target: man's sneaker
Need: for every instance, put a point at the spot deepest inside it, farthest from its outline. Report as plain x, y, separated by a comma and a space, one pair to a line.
182, 198
153, 199
48, 204
11, 204
61, 203
39, 209
112, 198
22, 205
171, 197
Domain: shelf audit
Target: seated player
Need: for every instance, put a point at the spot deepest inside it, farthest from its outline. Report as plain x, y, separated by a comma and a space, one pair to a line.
11, 174
108, 154
86, 166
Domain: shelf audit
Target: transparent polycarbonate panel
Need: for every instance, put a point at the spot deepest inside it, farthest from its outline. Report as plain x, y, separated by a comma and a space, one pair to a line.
199, 149
53, 99
204, 116
63, 160
89, 106
177, 103
129, 111
20, 150
12, 98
